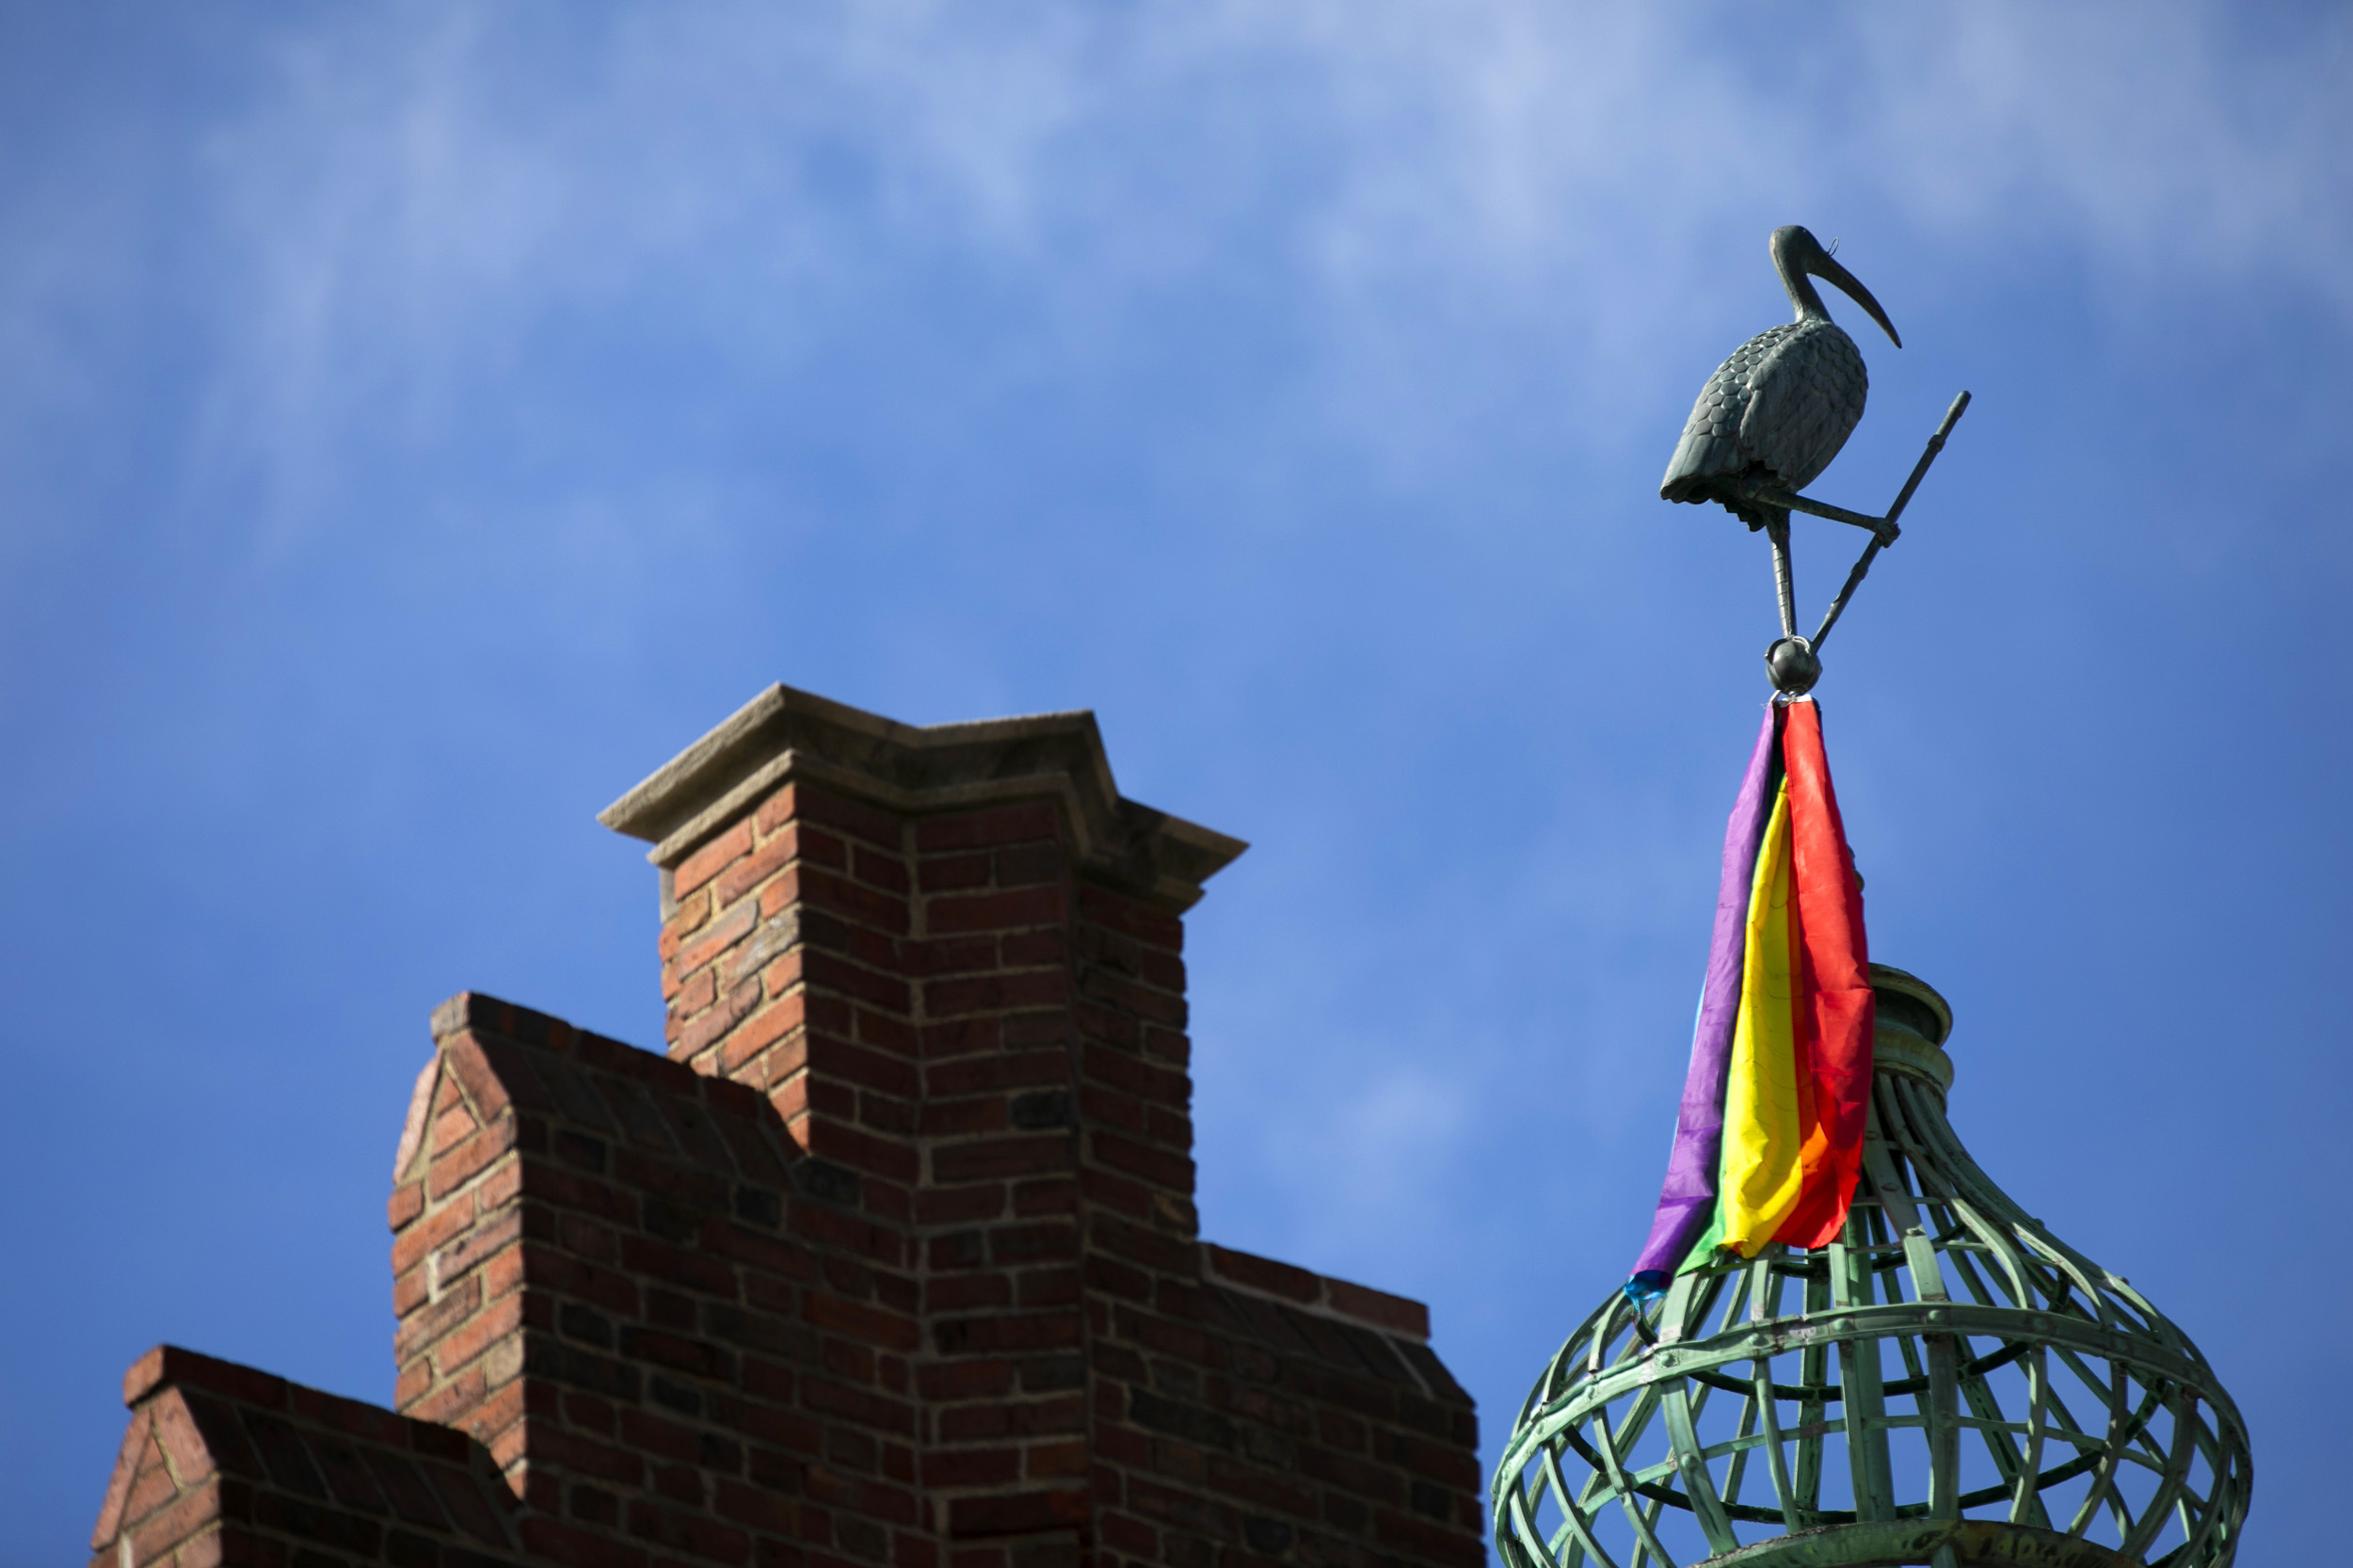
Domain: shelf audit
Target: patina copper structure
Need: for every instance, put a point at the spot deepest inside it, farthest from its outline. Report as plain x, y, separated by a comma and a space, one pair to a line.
1949, 1385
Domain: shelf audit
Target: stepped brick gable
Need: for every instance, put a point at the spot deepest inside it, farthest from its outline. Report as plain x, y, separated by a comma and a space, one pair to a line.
890, 1261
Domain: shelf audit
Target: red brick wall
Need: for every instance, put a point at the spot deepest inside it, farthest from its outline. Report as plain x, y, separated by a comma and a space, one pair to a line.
224, 1464
895, 1260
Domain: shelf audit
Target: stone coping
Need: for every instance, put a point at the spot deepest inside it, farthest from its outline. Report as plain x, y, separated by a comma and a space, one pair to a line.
784, 735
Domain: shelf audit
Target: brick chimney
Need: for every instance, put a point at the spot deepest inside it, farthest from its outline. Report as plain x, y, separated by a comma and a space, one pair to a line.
851, 905
893, 1261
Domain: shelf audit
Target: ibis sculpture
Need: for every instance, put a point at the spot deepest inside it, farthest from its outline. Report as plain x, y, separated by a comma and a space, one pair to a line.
1770, 420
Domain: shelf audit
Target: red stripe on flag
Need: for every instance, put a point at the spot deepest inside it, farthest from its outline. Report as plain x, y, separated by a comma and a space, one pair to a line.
1834, 993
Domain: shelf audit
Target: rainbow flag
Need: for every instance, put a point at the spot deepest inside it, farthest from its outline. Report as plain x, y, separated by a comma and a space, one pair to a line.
1768, 1142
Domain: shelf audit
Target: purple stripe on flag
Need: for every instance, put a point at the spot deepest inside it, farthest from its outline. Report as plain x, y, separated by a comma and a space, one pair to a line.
1688, 1196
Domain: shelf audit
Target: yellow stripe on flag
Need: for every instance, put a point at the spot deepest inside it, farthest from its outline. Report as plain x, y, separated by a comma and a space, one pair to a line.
1764, 1135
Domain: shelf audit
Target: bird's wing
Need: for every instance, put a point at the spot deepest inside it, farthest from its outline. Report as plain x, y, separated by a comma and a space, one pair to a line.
1711, 436
1804, 400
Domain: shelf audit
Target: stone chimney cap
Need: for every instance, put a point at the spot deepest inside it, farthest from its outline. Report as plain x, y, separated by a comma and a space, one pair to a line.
784, 735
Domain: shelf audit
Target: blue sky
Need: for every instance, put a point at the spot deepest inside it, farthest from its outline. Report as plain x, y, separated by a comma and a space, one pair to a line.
417, 422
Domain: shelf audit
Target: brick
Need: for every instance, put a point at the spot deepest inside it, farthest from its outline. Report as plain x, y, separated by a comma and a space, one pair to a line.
966, 1378
1030, 949
828, 971
1170, 1129
1013, 1418
886, 871
1046, 1287
747, 871
1109, 1107
468, 1251
1377, 1307
1004, 825
1171, 1046
470, 1064
974, 1114
866, 1324
996, 993
765, 1027
840, 1060
973, 1075
496, 1322
704, 1026
714, 939
421, 1328
181, 1441
1264, 1274
1134, 1075
451, 1126
987, 1159
1110, 1026
1015, 1513
138, 1456
829, 1139
968, 1293
993, 1466
1027, 906
878, 827
1051, 1195
153, 1537
1018, 865
1100, 984
559, 1542
827, 1397
149, 1487
1460, 1548
1132, 917
759, 1507
707, 862
1048, 1026
687, 916
1132, 1536
947, 873
451, 1400
778, 811
933, 958
1053, 1460
819, 891
960, 1037
1142, 1159
454, 1168
169, 1363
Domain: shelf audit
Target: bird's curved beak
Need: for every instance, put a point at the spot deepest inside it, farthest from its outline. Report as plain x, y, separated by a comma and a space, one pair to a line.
1828, 269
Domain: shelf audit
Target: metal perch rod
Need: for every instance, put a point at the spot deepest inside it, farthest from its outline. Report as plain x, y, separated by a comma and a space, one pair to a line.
1885, 527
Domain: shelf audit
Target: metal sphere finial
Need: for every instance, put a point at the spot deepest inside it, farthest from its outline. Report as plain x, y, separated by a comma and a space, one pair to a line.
1947, 1385
1792, 666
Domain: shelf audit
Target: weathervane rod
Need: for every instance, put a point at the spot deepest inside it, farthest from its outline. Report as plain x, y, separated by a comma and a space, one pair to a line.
1785, 587
1903, 499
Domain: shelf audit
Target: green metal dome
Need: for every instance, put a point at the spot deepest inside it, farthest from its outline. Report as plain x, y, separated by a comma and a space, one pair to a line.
1948, 1384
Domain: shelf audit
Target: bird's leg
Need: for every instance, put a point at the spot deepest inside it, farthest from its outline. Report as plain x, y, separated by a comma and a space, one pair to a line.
1777, 529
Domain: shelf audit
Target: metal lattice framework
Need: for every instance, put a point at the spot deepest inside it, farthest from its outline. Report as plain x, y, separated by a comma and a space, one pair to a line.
1947, 1383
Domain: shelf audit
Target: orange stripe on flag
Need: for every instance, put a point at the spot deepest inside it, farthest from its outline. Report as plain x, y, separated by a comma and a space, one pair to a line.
1834, 995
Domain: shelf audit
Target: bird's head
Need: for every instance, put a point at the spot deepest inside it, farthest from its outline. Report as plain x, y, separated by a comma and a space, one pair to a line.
1797, 253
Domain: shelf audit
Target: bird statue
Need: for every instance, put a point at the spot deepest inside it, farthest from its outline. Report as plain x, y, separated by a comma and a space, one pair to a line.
1777, 411
1772, 417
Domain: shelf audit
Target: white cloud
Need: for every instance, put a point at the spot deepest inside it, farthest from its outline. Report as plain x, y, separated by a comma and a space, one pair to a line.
407, 199
2146, 134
